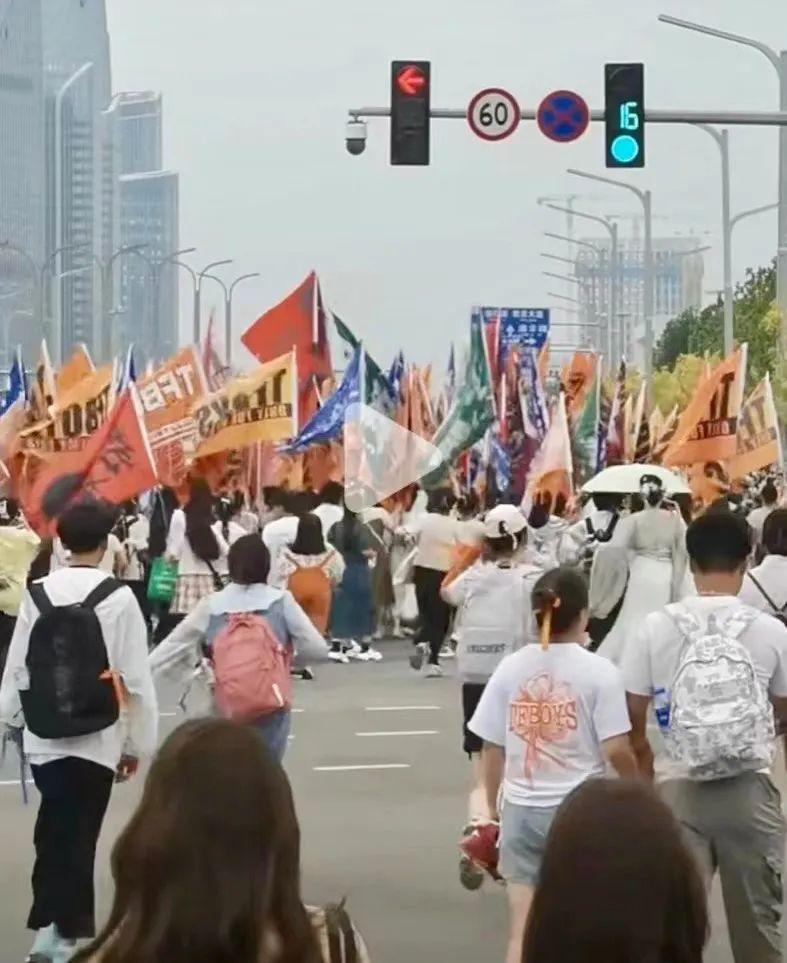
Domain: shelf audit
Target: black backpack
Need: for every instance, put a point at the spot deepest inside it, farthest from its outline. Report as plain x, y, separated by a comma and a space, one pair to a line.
71, 690
776, 612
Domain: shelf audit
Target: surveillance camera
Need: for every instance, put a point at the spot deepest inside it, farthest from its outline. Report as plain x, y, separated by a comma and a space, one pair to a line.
356, 137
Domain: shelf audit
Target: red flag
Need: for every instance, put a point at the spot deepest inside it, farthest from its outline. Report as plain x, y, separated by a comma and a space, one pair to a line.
299, 321
115, 465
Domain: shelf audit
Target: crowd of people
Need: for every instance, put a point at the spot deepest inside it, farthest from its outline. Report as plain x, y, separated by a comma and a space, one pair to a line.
596, 655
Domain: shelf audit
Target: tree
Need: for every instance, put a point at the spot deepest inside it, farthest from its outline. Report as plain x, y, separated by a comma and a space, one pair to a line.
676, 386
756, 321
674, 340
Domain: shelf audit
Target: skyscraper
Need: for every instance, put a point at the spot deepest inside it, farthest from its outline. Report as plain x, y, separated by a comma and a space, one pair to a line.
58, 170
149, 202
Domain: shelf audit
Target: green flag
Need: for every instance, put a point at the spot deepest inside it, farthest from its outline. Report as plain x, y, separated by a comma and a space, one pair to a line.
473, 410
586, 431
378, 389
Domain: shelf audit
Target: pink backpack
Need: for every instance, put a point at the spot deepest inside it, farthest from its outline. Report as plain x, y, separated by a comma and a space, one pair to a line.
252, 669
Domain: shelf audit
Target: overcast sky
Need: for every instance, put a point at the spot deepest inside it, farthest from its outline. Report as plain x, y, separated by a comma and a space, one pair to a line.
256, 95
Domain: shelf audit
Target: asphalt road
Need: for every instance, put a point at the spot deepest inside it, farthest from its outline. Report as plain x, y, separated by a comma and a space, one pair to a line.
384, 837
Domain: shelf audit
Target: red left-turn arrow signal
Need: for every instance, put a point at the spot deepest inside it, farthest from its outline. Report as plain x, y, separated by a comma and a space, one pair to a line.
410, 80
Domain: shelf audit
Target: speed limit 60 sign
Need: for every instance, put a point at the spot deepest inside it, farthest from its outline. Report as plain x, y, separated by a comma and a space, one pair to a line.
493, 114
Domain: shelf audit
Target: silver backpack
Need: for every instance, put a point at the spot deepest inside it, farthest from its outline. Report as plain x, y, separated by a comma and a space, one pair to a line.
721, 720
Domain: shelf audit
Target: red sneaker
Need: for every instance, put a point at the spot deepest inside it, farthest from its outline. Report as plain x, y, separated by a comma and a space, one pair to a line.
481, 848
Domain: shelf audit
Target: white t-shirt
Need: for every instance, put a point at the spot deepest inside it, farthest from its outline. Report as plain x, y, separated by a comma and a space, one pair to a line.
757, 518
61, 555
437, 537
772, 576
126, 640
235, 531
278, 535
329, 515
551, 711
650, 660
179, 547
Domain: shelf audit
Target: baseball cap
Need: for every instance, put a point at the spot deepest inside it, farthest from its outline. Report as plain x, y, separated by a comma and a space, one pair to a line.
504, 520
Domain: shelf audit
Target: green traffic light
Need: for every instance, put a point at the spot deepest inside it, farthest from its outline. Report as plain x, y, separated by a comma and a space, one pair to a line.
624, 149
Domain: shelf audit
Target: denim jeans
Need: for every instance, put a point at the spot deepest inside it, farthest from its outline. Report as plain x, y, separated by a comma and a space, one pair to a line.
274, 730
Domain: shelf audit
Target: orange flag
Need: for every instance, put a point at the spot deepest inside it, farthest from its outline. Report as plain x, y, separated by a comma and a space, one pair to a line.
168, 395
577, 379
759, 439
708, 427
297, 322
74, 417
115, 465
551, 474
260, 407
78, 366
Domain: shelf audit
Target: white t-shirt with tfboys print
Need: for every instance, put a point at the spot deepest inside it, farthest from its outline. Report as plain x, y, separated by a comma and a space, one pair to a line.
551, 710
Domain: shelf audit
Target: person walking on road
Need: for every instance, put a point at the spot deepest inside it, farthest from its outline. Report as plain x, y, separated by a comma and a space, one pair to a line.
551, 716
77, 679
310, 570
352, 607
715, 669
765, 587
617, 882
197, 545
275, 622
493, 619
437, 534
330, 511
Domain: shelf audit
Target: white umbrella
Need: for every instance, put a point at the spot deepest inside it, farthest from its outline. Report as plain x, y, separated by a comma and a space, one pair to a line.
625, 479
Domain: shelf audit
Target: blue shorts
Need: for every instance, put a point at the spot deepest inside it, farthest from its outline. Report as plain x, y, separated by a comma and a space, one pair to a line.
523, 839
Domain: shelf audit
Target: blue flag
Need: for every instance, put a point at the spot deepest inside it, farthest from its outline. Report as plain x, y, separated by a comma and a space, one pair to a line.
396, 376
327, 423
500, 463
17, 387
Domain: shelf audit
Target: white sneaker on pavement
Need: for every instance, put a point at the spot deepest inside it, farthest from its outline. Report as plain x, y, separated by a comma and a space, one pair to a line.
369, 655
447, 652
433, 671
336, 655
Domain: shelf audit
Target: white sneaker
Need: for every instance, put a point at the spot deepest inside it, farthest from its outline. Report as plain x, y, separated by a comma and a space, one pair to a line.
447, 652
370, 655
433, 672
352, 650
339, 656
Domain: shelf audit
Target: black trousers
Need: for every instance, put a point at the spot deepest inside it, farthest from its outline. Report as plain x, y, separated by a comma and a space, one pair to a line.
434, 613
74, 798
7, 623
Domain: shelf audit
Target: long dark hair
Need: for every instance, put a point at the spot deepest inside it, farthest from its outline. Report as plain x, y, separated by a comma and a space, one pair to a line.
309, 540
164, 504
199, 515
347, 533
617, 882
208, 867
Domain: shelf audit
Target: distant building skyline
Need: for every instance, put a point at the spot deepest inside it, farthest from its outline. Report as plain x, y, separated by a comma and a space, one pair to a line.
678, 285
147, 315
65, 146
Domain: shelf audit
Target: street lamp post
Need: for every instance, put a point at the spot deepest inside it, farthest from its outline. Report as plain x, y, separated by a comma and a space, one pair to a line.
228, 293
778, 61
198, 278
589, 304
646, 199
155, 266
612, 301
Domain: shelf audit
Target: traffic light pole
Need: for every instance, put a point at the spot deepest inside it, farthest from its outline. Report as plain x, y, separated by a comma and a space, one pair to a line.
733, 118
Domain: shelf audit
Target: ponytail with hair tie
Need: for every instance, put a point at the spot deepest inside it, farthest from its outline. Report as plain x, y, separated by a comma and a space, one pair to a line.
551, 603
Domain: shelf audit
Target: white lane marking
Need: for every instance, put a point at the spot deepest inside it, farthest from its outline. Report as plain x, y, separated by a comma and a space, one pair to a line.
379, 765
403, 732
169, 715
297, 710
403, 708
15, 782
